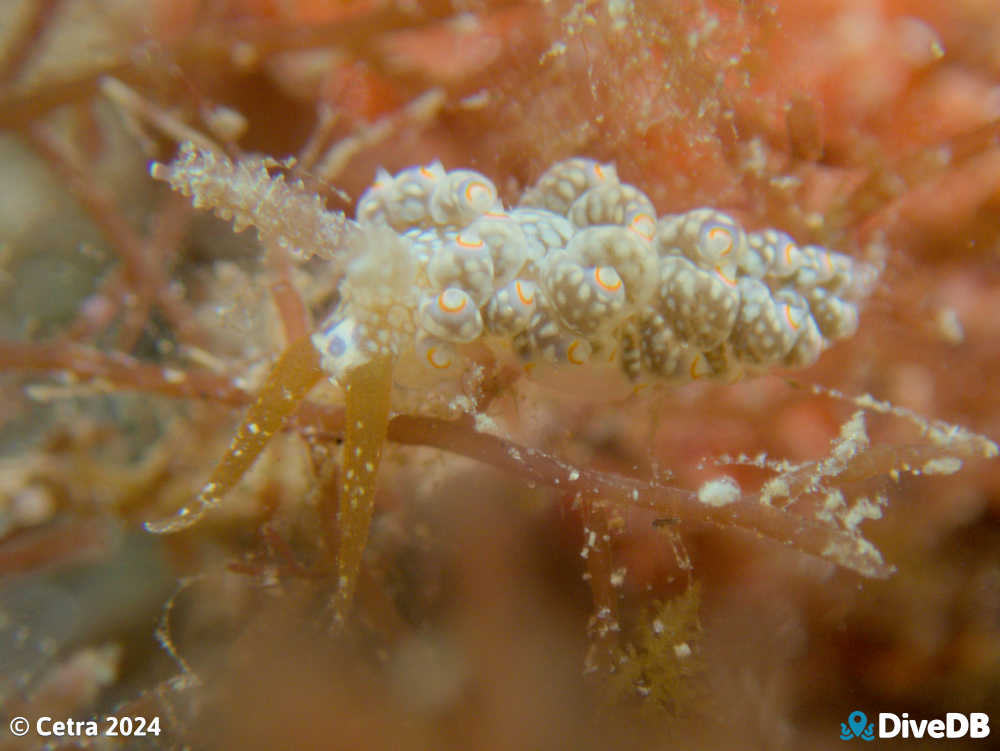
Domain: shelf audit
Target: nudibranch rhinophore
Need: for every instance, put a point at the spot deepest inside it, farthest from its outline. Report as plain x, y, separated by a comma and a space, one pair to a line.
581, 273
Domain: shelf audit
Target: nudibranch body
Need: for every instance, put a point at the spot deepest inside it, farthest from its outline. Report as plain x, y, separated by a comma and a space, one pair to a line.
581, 273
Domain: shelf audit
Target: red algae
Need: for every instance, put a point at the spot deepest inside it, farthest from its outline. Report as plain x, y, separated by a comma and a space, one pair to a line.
517, 535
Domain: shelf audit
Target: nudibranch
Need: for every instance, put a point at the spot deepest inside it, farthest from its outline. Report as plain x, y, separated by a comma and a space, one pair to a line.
581, 275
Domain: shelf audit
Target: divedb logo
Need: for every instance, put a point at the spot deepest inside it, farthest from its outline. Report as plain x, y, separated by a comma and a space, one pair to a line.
954, 725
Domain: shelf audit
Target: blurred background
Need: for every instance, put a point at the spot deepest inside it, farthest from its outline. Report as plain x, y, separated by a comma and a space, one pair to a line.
131, 326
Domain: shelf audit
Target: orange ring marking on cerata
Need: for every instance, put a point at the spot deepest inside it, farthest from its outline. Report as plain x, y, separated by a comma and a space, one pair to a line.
435, 361
525, 299
789, 248
695, 375
571, 352
468, 244
451, 308
604, 285
643, 220
790, 318
721, 274
473, 187
729, 237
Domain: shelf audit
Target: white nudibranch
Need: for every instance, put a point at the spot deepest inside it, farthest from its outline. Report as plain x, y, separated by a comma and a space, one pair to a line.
581, 273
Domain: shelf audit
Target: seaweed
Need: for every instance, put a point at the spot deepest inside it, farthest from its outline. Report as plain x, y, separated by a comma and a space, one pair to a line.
446, 571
